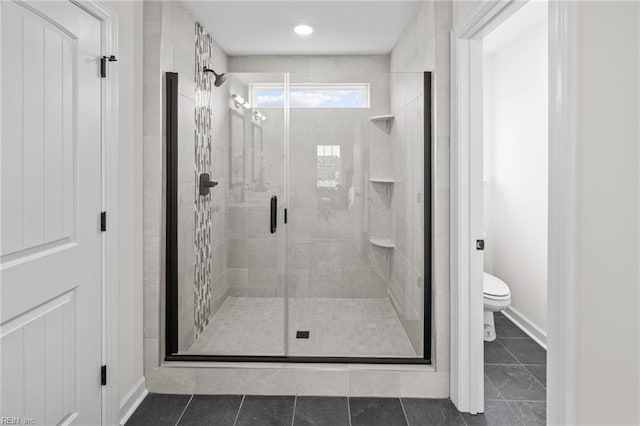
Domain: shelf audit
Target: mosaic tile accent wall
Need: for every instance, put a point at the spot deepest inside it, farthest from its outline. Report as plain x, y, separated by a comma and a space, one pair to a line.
203, 131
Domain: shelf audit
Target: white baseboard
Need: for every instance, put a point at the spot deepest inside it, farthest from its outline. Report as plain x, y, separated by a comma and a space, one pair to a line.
132, 400
525, 324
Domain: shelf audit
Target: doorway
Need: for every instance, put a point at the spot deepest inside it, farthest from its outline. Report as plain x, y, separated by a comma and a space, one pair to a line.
468, 189
515, 213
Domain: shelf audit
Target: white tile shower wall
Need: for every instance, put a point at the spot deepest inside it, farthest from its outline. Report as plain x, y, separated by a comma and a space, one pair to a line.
153, 175
327, 237
177, 53
423, 46
169, 45
309, 64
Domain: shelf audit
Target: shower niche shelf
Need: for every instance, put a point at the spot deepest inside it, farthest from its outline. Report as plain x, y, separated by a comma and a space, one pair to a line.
383, 121
382, 180
382, 242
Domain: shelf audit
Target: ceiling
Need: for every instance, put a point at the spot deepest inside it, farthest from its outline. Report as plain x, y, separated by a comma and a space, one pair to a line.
340, 27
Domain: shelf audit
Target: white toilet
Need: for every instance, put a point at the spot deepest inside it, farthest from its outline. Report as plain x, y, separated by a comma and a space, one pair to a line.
497, 297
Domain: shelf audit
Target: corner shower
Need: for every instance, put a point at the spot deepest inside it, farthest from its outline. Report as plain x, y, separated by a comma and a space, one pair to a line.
298, 229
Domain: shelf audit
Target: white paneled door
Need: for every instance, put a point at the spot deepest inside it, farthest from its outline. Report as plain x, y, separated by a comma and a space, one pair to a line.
50, 240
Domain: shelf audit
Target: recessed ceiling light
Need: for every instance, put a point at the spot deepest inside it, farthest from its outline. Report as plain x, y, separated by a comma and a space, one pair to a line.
303, 29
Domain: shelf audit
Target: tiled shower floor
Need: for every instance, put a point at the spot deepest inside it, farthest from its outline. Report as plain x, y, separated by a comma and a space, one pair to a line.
337, 327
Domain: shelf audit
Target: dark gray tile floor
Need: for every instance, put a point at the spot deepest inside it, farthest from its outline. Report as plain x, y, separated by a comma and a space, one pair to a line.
250, 410
515, 393
515, 381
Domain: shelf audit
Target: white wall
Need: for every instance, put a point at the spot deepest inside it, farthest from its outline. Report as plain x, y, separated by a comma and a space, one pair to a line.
424, 46
516, 158
130, 193
608, 167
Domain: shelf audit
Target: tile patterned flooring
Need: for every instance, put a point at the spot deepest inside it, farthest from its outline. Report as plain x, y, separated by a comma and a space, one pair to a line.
238, 410
515, 382
515, 392
363, 327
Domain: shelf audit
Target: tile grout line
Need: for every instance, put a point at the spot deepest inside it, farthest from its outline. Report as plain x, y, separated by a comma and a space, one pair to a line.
235, 421
293, 416
516, 414
491, 381
534, 376
527, 370
524, 366
184, 410
513, 355
406, 419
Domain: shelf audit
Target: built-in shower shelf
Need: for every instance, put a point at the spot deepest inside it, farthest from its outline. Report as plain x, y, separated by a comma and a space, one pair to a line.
387, 117
383, 121
381, 180
382, 242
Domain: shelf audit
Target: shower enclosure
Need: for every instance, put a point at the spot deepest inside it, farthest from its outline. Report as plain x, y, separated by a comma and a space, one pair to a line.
298, 218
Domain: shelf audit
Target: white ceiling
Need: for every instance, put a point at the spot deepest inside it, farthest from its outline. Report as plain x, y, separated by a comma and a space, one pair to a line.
340, 27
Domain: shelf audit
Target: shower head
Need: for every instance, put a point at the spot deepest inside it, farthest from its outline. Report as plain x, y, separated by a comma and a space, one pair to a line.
220, 78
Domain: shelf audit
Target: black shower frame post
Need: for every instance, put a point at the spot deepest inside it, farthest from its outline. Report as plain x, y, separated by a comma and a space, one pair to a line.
171, 240
171, 322
428, 208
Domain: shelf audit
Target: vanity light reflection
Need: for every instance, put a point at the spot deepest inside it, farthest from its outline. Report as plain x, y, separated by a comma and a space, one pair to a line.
240, 101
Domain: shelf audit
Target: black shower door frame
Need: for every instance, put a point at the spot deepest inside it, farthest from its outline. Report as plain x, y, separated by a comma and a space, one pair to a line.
171, 248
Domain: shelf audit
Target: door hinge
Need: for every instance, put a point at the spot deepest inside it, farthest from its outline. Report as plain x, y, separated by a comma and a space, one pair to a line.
103, 221
285, 216
479, 244
103, 375
103, 64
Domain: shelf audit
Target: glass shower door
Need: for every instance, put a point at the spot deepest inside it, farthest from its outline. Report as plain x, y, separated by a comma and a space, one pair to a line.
312, 242
231, 236
355, 231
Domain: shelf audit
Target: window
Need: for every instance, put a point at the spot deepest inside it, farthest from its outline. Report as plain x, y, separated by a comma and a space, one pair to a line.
329, 166
311, 95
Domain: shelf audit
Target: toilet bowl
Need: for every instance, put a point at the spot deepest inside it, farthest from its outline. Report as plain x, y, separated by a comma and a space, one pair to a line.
497, 297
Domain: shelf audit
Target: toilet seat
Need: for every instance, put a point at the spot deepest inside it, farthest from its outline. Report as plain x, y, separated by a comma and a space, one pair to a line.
494, 288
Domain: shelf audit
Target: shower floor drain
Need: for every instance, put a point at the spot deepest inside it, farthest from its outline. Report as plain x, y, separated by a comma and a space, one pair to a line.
302, 334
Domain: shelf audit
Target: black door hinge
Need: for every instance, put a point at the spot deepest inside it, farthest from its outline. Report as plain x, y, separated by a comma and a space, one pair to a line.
103, 64
285, 216
103, 375
479, 244
103, 221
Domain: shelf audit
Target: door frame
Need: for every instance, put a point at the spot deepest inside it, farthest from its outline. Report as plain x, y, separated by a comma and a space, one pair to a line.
109, 188
467, 351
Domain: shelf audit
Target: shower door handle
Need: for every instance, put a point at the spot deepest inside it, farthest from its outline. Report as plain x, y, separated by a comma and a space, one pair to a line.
274, 214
